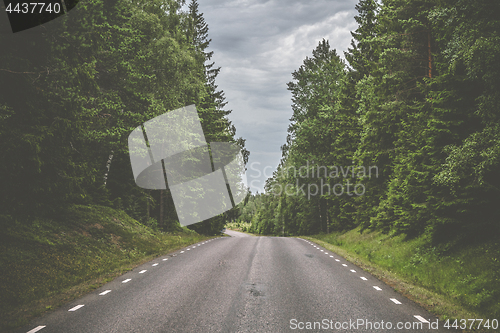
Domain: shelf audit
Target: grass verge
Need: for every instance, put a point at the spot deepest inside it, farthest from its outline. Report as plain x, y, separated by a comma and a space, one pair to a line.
457, 283
46, 263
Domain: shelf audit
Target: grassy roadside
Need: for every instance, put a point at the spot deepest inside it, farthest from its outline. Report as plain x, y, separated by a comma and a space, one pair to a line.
49, 263
240, 227
458, 282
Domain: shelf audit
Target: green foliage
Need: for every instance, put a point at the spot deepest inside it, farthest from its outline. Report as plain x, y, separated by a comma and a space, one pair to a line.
79, 87
419, 100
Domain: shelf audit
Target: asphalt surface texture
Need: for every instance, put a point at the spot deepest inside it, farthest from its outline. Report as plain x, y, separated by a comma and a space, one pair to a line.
242, 284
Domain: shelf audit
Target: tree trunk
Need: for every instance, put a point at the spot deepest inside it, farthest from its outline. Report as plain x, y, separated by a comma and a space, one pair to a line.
160, 222
327, 221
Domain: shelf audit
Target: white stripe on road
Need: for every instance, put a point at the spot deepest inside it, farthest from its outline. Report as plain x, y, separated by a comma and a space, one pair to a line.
421, 319
36, 329
395, 300
155, 264
182, 251
344, 265
105, 292
331, 256
363, 278
352, 270
127, 280
165, 259
337, 260
143, 271
76, 307
376, 288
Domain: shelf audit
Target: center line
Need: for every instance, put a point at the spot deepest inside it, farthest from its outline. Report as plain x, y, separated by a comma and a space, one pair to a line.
331, 256
165, 259
155, 264
105, 292
376, 288
363, 278
127, 280
337, 260
352, 270
344, 265
76, 307
36, 329
143, 271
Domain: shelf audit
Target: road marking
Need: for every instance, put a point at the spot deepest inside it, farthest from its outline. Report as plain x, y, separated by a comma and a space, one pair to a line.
344, 265
182, 251
76, 307
36, 329
105, 292
165, 259
376, 288
155, 264
352, 270
322, 251
127, 280
395, 300
363, 278
331, 256
421, 319
337, 260
188, 249
143, 271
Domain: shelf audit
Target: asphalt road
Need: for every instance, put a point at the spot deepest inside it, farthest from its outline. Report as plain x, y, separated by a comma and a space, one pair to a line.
241, 284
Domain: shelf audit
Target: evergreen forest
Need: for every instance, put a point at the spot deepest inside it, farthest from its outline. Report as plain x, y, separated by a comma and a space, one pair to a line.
72, 91
401, 137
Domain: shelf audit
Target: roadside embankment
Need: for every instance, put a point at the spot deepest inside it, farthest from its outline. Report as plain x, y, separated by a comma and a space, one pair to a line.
454, 281
46, 263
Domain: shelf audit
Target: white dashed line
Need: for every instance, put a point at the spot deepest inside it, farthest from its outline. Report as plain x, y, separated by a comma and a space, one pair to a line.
344, 265
76, 307
36, 329
143, 271
322, 251
165, 259
105, 292
127, 280
352, 270
395, 300
421, 319
363, 278
331, 256
337, 260
155, 265
376, 288
182, 251
188, 249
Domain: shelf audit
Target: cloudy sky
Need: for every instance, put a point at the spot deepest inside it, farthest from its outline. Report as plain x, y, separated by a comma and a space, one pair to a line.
258, 44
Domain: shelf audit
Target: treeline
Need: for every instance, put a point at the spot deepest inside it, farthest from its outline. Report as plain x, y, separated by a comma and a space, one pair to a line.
73, 90
417, 104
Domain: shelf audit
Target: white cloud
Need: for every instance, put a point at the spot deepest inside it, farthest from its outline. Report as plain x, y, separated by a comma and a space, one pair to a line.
258, 44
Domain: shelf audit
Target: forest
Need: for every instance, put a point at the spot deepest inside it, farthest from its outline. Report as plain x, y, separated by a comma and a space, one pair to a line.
72, 91
403, 137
